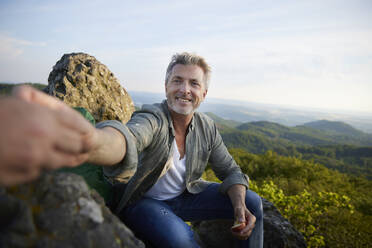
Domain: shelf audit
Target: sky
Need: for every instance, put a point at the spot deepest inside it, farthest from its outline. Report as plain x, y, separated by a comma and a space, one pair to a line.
315, 54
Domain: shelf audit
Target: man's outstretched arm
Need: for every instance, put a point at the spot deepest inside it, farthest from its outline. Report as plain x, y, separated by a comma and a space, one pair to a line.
109, 148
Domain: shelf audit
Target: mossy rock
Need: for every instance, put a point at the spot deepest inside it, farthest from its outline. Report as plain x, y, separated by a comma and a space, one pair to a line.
91, 173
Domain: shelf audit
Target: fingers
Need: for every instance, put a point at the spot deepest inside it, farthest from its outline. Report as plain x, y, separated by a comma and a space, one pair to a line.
58, 159
68, 141
72, 119
40, 132
13, 174
65, 115
23, 92
31, 95
250, 221
246, 232
73, 147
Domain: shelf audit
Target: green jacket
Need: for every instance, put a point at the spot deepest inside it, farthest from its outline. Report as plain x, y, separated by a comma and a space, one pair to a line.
149, 136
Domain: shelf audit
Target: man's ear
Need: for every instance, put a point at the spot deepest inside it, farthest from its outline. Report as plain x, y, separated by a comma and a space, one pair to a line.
205, 93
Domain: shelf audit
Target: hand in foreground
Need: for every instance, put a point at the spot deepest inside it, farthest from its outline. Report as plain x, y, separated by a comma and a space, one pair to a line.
38, 131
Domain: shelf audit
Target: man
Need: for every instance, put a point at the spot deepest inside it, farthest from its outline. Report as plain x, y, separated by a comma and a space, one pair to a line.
156, 160
174, 144
39, 132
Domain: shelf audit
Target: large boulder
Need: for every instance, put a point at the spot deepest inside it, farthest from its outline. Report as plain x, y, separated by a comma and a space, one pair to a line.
59, 210
278, 232
80, 80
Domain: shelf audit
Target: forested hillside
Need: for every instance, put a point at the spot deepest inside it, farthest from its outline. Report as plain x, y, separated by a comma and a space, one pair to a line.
331, 209
332, 133
294, 168
333, 144
335, 127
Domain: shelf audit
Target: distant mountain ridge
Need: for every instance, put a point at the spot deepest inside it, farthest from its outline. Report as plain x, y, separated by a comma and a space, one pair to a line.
313, 133
336, 145
241, 111
336, 127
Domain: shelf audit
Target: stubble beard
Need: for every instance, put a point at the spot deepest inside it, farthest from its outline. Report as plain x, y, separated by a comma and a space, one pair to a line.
172, 104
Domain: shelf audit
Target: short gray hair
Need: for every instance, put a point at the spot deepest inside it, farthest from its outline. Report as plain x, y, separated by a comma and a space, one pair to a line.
189, 59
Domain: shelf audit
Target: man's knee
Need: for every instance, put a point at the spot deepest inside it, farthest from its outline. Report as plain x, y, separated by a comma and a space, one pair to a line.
155, 222
180, 239
254, 204
173, 233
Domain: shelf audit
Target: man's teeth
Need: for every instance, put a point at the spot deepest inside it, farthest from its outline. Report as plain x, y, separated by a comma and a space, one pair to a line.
183, 100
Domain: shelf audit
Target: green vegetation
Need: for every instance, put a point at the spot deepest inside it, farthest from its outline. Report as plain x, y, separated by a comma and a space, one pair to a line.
329, 208
334, 127
345, 149
317, 174
299, 170
6, 88
93, 176
352, 160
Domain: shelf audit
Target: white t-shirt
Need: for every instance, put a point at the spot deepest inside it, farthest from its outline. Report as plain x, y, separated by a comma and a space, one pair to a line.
172, 183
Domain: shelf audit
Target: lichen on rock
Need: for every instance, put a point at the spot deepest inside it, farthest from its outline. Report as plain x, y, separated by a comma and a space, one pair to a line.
80, 80
90, 209
59, 210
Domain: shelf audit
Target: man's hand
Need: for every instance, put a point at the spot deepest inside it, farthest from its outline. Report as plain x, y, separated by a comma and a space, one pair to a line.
241, 213
38, 131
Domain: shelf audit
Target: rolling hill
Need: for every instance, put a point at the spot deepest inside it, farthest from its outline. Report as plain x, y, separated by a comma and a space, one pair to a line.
337, 145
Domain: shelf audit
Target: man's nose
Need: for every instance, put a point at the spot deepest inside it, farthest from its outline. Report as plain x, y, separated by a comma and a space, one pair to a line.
185, 88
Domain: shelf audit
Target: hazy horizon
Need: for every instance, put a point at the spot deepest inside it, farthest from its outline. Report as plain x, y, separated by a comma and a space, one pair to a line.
238, 102
303, 54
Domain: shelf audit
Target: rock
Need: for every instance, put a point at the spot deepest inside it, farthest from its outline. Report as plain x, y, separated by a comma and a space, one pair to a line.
278, 232
80, 80
59, 210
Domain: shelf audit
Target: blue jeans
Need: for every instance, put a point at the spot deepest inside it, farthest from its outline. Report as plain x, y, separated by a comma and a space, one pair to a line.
161, 223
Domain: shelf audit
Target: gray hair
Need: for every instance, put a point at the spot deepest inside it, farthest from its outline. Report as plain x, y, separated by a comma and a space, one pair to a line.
189, 59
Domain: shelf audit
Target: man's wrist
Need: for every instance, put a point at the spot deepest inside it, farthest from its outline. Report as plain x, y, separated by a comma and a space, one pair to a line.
236, 193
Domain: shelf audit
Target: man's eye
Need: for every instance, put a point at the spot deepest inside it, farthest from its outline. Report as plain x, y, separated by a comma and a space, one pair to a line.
195, 83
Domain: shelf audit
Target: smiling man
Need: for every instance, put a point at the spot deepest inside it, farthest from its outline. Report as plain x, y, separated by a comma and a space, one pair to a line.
157, 159
186, 89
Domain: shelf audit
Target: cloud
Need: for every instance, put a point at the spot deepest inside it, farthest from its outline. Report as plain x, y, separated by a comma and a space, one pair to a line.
11, 48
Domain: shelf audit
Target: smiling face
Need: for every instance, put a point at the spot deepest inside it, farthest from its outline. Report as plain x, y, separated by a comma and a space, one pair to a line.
185, 89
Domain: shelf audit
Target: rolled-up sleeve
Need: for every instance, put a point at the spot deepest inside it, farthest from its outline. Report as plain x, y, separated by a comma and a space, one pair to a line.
224, 166
138, 134
124, 170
